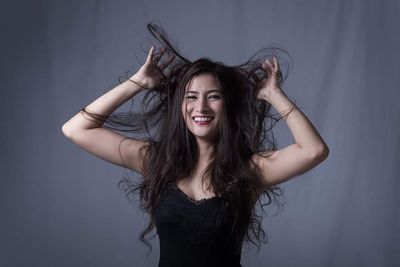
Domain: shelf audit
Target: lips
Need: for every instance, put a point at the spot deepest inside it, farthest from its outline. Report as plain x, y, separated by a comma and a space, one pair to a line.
203, 119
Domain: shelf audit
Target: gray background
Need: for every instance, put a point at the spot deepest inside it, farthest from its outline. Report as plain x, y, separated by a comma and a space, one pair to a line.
60, 206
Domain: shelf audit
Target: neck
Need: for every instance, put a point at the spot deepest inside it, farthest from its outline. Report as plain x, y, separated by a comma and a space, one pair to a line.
206, 149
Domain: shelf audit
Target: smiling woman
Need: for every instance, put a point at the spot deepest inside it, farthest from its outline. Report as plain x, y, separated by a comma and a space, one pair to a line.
203, 108
209, 155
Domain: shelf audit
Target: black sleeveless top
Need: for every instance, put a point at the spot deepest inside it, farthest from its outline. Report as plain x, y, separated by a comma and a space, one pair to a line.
193, 232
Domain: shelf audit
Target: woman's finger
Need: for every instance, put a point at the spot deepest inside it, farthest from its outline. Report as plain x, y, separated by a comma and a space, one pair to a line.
271, 64
263, 65
150, 55
158, 56
171, 58
276, 63
266, 64
268, 68
163, 64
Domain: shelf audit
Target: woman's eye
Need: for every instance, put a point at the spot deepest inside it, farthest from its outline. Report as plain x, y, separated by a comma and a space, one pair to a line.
190, 97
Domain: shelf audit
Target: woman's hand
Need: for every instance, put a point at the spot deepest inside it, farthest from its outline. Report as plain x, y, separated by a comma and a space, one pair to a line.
271, 85
151, 73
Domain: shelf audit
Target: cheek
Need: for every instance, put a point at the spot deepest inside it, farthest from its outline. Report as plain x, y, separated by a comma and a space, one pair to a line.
185, 112
220, 109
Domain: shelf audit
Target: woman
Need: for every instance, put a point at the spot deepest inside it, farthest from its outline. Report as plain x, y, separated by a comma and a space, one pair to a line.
207, 156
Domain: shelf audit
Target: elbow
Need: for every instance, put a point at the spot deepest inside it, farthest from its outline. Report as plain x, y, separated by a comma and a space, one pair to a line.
66, 131
321, 153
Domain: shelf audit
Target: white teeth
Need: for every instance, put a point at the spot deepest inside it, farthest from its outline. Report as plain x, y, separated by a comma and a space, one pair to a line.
203, 118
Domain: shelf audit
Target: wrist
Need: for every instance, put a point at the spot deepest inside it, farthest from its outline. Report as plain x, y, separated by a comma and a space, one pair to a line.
273, 95
139, 80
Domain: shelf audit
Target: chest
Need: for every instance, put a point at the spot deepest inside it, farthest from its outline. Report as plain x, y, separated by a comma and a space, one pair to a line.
195, 191
198, 222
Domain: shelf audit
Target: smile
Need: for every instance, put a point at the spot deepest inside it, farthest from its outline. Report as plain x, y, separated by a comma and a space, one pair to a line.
203, 118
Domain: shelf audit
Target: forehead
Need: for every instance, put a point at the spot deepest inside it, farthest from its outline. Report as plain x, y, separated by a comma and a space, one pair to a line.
203, 82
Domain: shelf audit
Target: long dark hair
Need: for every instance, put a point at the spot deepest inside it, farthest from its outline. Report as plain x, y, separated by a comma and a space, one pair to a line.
172, 152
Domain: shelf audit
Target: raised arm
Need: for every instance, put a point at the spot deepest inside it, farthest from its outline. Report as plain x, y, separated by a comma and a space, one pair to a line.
309, 148
107, 144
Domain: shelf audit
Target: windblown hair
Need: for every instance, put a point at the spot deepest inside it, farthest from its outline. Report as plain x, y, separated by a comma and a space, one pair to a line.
172, 152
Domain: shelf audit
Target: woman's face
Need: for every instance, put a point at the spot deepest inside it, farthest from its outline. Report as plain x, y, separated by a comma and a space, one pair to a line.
202, 106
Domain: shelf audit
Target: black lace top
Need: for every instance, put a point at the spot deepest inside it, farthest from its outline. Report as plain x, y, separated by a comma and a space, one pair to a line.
193, 232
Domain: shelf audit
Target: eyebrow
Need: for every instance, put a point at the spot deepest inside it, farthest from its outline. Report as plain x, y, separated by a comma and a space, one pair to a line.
210, 91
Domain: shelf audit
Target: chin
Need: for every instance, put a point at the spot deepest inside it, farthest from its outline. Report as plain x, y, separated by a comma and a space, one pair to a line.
206, 133
203, 136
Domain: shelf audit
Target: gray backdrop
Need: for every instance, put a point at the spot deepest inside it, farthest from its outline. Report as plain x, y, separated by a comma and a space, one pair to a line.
60, 206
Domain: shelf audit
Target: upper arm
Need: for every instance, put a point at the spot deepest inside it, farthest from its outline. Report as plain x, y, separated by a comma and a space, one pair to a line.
287, 163
111, 146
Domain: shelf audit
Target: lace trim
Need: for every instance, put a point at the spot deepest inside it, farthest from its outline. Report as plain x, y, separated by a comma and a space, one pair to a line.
195, 201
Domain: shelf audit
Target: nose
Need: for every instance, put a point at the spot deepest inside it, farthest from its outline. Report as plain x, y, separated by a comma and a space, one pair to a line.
202, 105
